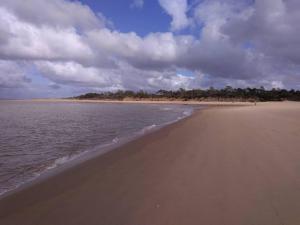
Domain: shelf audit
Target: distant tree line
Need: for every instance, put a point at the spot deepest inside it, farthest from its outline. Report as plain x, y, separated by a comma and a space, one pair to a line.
225, 94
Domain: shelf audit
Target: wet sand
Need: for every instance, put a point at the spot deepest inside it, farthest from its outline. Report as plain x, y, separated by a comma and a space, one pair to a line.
222, 166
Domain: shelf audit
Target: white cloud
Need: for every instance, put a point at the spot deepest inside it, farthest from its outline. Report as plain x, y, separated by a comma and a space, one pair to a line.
73, 73
177, 9
174, 81
212, 16
22, 40
277, 84
57, 13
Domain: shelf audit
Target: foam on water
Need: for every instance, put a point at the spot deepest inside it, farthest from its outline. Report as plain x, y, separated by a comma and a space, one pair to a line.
62, 160
148, 128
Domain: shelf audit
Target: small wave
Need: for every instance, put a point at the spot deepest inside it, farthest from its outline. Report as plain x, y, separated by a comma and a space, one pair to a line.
62, 160
115, 140
66, 159
148, 128
185, 114
165, 108
188, 112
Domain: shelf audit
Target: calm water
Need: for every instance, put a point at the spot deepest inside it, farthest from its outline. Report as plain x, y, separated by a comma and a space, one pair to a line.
37, 136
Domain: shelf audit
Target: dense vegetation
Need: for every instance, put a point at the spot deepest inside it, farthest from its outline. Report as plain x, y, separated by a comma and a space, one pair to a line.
226, 94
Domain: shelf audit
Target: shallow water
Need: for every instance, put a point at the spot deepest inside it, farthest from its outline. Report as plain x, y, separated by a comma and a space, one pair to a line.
37, 136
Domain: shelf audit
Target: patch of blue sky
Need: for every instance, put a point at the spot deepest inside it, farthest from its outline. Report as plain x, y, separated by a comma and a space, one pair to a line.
248, 45
186, 73
149, 19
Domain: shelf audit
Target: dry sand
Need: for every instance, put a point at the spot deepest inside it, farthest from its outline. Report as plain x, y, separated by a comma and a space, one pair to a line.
222, 166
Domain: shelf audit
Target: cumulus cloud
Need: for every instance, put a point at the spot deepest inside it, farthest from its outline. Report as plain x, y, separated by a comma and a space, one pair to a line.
12, 75
23, 40
272, 27
173, 81
57, 13
177, 9
124, 76
154, 51
239, 43
76, 74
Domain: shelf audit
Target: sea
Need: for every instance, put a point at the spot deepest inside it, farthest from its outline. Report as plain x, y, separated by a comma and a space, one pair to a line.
37, 136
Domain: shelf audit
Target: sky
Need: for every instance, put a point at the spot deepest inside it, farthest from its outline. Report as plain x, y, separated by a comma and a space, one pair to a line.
62, 48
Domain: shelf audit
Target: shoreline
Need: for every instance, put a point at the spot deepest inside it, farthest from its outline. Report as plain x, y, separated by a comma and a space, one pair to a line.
84, 160
222, 166
180, 102
95, 152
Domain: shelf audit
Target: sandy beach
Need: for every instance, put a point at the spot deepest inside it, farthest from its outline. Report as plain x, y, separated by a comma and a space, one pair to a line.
143, 101
231, 165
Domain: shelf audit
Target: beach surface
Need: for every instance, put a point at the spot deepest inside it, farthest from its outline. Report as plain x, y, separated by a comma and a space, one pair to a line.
143, 101
237, 165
